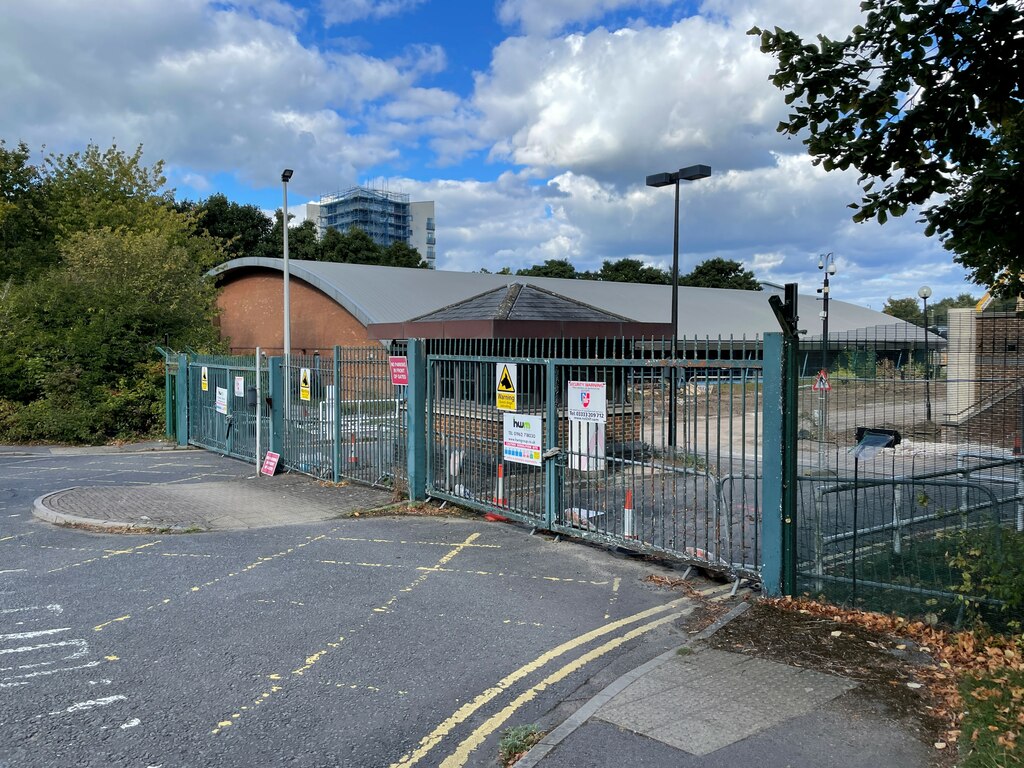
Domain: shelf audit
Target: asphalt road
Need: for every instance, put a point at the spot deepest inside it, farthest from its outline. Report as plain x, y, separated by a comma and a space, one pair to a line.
371, 641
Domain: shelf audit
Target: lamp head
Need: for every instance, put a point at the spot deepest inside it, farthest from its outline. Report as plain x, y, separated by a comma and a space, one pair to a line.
694, 172
924, 292
660, 180
286, 175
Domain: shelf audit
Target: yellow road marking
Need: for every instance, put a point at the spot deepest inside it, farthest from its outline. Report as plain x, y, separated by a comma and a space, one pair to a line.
456, 548
436, 569
615, 596
466, 710
109, 554
201, 587
312, 659
461, 755
421, 543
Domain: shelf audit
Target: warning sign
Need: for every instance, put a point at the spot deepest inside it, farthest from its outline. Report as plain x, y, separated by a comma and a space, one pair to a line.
204, 379
821, 382
304, 383
505, 397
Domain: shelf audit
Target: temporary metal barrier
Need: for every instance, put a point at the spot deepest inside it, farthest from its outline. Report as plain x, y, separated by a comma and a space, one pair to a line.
574, 437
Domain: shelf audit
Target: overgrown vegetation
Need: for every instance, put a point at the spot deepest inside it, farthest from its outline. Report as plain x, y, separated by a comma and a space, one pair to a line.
98, 268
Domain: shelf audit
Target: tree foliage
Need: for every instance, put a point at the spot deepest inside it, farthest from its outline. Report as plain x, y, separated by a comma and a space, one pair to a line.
923, 98
551, 268
909, 309
241, 227
721, 273
631, 271
123, 270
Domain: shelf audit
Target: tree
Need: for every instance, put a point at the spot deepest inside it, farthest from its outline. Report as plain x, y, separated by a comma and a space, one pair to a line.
923, 99
302, 241
908, 309
630, 271
720, 273
938, 313
241, 227
353, 246
551, 268
401, 254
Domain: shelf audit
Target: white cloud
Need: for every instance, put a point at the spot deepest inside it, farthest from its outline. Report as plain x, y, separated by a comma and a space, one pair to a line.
344, 11
542, 17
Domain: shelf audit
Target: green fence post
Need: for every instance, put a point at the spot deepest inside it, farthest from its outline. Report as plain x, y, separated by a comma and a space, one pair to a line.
336, 418
416, 414
771, 466
550, 441
275, 383
181, 391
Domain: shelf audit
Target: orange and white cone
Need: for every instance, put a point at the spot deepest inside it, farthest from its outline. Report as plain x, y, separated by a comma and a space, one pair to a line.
628, 520
499, 496
352, 458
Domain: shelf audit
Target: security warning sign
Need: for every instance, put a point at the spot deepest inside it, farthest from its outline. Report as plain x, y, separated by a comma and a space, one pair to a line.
505, 396
304, 383
821, 382
204, 379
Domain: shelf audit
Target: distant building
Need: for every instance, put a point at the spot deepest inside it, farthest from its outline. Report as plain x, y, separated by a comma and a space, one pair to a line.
387, 217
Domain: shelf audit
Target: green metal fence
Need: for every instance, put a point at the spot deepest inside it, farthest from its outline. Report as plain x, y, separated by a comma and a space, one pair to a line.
929, 525
509, 432
223, 410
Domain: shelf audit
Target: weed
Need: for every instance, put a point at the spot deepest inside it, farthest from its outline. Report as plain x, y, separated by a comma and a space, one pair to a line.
516, 741
684, 651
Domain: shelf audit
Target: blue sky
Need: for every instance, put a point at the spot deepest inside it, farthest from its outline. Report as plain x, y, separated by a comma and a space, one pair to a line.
530, 123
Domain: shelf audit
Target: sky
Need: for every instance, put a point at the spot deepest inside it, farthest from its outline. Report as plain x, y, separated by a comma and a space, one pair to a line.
531, 124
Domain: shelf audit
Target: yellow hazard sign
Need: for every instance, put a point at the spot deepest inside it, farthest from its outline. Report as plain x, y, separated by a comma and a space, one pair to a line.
204, 379
505, 397
304, 383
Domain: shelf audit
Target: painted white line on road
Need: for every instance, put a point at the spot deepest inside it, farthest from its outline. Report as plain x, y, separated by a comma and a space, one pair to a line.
26, 666
52, 607
36, 633
81, 645
47, 672
81, 706
22, 570
131, 724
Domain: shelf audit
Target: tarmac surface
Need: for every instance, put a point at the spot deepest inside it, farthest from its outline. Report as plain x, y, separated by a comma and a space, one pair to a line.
690, 706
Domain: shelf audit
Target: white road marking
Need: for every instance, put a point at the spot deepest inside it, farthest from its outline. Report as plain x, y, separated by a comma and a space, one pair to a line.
52, 607
81, 706
131, 724
83, 648
22, 570
36, 633
45, 672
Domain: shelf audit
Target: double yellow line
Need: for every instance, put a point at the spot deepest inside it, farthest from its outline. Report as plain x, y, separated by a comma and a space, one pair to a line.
461, 754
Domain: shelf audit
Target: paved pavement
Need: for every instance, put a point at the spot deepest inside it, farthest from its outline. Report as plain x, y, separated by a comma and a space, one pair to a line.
691, 706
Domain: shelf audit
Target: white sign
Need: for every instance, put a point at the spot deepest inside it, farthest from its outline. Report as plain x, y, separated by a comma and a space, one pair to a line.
587, 401
239, 386
523, 441
222, 400
505, 396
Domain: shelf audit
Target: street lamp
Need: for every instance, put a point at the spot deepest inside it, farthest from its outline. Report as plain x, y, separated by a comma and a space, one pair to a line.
286, 176
690, 173
925, 292
826, 263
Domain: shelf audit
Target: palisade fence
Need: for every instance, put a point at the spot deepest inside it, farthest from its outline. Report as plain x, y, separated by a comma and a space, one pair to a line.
937, 517
629, 479
686, 461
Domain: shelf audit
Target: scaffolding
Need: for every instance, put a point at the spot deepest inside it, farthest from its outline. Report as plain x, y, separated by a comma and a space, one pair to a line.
385, 216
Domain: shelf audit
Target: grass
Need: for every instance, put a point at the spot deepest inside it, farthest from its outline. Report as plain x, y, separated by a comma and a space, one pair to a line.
516, 741
994, 704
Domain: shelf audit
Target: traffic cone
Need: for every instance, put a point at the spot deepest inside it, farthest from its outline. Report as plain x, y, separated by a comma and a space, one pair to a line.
628, 522
499, 497
352, 458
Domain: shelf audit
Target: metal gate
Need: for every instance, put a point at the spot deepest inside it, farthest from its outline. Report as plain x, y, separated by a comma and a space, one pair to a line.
343, 418
223, 409
671, 467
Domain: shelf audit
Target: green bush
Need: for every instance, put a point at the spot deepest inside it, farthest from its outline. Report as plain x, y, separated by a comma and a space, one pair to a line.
991, 566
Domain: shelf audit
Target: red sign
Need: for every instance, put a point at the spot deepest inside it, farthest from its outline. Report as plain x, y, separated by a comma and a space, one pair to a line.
821, 383
270, 463
399, 371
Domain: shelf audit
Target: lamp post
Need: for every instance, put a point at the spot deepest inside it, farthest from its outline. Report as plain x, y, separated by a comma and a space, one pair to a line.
286, 176
827, 264
689, 173
924, 292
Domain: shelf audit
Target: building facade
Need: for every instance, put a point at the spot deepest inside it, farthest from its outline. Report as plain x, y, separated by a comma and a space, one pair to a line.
387, 217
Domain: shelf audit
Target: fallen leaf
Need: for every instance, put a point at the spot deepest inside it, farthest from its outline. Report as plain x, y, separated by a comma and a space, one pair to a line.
837, 633
940, 745
913, 685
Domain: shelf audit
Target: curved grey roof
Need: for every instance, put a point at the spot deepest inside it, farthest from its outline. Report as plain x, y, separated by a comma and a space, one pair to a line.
394, 294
